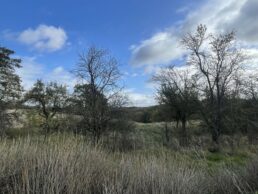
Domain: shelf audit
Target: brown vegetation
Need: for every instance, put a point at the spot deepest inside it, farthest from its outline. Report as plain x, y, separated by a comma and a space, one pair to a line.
65, 164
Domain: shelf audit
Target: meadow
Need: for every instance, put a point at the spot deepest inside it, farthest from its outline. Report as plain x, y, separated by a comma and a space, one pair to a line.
69, 163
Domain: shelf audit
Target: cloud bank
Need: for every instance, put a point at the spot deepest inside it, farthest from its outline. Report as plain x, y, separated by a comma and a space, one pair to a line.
219, 16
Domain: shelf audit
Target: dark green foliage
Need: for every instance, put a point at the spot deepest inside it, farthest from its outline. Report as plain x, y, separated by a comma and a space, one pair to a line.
10, 87
94, 109
146, 114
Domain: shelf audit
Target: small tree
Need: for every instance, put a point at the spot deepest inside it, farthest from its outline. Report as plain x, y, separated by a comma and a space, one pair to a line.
49, 99
93, 108
10, 87
217, 61
177, 92
99, 75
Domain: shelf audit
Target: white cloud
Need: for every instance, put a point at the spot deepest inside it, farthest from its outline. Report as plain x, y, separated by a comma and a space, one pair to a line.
44, 38
218, 15
159, 49
62, 76
251, 64
32, 70
139, 99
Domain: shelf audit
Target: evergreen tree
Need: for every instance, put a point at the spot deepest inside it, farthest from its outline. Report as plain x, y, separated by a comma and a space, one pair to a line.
10, 87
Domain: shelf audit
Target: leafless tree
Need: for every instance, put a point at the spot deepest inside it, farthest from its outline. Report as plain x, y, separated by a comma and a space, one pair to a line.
251, 88
217, 60
99, 74
177, 91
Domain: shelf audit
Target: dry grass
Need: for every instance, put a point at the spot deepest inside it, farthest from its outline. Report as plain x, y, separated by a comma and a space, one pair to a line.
65, 164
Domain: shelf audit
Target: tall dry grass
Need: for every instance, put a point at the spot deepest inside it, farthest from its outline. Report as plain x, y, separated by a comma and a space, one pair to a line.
63, 164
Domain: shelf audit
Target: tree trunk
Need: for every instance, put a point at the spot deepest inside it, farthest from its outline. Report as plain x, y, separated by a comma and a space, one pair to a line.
177, 118
46, 127
184, 138
166, 134
217, 127
215, 137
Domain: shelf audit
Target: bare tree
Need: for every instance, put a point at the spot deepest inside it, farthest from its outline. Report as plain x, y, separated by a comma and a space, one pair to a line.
49, 99
99, 74
217, 60
177, 91
251, 88
10, 88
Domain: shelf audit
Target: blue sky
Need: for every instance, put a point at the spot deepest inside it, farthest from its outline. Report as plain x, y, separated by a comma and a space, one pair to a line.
142, 34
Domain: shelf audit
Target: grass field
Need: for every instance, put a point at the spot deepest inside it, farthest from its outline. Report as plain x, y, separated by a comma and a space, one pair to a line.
67, 164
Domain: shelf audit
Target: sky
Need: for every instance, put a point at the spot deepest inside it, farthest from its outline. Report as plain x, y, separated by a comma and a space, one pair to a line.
143, 35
